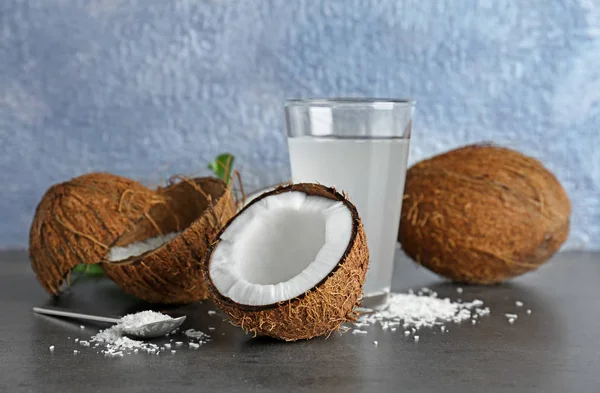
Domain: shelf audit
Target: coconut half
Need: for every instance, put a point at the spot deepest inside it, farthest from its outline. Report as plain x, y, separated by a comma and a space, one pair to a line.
76, 221
291, 264
159, 259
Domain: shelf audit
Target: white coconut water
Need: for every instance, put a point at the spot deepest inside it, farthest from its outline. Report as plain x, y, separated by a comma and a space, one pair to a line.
372, 172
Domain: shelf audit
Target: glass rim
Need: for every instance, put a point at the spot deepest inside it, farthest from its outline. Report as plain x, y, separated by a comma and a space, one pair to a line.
351, 101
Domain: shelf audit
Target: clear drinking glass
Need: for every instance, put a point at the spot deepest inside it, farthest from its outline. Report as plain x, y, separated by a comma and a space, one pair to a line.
359, 146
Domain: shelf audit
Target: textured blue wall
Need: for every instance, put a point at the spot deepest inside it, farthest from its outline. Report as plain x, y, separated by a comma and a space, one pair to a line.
148, 88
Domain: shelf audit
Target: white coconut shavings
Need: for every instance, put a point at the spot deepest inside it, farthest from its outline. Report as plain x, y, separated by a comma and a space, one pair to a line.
414, 311
115, 344
197, 334
138, 248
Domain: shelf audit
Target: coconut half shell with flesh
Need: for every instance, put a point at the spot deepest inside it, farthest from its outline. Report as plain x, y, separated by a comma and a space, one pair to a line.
178, 234
76, 221
291, 264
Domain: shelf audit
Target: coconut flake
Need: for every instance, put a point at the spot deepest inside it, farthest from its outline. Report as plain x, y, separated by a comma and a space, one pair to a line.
192, 333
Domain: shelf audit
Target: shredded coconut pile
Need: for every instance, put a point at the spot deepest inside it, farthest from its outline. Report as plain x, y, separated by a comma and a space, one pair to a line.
138, 248
113, 342
423, 309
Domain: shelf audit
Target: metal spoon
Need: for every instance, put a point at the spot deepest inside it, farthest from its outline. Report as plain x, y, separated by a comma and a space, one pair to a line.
149, 330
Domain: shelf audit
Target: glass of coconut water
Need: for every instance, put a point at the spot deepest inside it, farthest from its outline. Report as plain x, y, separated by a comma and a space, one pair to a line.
359, 146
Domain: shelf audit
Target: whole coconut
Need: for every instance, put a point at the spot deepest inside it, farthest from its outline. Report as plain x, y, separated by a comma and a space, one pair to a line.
76, 221
482, 214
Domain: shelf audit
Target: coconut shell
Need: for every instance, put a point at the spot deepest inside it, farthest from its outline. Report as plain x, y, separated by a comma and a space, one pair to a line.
482, 214
76, 221
318, 311
171, 273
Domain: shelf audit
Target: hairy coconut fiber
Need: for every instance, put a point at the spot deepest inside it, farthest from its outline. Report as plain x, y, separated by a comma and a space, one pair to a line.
197, 209
482, 214
76, 221
318, 311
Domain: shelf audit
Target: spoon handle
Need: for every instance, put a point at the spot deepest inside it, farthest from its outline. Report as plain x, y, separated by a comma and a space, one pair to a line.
60, 313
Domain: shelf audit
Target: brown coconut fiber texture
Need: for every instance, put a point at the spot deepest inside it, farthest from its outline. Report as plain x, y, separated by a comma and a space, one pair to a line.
320, 310
197, 209
76, 221
482, 214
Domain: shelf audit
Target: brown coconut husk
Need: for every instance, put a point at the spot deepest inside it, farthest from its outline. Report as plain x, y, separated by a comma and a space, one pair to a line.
318, 311
197, 209
482, 214
76, 221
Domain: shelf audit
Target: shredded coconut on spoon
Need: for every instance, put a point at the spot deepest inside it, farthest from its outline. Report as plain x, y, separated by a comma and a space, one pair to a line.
114, 342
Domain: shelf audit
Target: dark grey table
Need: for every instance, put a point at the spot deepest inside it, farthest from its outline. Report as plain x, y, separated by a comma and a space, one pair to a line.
555, 349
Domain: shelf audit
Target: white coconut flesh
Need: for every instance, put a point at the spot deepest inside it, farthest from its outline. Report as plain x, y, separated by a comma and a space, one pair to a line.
138, 248
280, 247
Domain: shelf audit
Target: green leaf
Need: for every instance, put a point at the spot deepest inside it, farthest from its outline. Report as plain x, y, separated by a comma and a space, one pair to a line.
89, 270
222, 167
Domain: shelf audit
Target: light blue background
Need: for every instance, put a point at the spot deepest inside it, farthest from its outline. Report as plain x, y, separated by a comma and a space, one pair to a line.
149, 88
